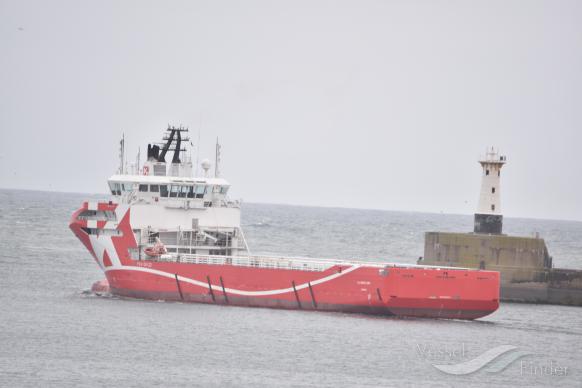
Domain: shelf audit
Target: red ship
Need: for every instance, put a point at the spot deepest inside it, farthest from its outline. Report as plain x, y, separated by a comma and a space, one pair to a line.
166, 235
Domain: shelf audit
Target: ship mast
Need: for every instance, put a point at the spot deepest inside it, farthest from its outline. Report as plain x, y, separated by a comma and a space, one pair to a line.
217, 160
197, 152
121, 154
173, 141
137, 162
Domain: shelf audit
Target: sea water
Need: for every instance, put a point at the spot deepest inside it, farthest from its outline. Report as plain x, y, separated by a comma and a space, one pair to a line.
55, 332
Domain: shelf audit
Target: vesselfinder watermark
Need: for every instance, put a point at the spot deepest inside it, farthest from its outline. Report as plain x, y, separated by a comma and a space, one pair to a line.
455, 359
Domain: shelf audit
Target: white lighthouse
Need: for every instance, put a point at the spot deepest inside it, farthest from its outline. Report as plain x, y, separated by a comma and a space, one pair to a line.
488, 218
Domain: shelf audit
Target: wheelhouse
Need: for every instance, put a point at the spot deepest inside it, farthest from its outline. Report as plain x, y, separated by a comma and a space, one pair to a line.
165, 188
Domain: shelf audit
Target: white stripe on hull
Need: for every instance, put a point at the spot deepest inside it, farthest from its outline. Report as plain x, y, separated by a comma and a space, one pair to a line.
233, 290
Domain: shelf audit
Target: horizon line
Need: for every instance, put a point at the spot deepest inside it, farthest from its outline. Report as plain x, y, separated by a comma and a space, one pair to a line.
316, 206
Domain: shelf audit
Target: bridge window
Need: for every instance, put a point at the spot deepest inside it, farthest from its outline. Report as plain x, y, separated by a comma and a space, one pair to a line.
183, 191
154, 188
143, 188
190, 191
163, 190
127, 186
200, 191
223, 189
174, 190
115, 188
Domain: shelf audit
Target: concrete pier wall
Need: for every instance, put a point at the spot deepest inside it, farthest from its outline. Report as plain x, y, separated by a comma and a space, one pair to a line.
524, 263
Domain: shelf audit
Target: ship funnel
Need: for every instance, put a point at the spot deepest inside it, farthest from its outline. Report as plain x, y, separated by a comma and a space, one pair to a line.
153, 152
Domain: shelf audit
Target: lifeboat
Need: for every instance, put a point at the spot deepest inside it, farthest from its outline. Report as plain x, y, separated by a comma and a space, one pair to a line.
157, 250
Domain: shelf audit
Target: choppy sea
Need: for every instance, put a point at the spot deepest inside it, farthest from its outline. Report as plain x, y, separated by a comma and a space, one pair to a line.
55, 332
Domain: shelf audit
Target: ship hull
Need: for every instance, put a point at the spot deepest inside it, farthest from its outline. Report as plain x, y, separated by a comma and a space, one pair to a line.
357, 287
361, 290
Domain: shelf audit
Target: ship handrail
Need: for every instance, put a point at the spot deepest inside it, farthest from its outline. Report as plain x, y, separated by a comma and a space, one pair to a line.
291, 262
371, 262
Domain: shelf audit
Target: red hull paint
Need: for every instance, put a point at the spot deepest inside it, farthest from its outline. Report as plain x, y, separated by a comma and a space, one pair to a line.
393, 290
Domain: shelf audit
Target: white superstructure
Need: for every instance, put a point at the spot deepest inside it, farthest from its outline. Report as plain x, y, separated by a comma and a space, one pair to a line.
189, 215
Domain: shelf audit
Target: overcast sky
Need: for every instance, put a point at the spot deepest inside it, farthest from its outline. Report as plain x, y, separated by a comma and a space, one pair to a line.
369, 104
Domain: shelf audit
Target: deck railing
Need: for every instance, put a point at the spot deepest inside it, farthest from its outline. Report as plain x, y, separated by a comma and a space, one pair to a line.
249, 261
283, 262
